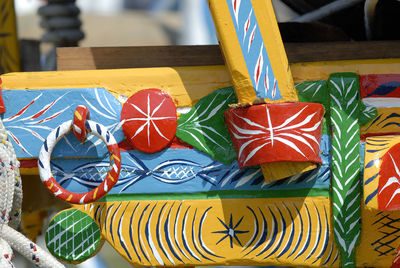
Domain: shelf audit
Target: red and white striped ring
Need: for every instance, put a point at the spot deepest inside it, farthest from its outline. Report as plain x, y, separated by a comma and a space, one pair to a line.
81, 114
79, 198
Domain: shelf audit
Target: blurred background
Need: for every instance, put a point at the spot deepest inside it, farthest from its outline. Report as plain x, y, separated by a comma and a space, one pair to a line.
107, 23
188, 22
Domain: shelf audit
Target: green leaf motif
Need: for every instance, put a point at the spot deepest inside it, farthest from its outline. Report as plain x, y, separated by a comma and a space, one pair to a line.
204, 127
72, 236
346, 183
316, 92
368, 113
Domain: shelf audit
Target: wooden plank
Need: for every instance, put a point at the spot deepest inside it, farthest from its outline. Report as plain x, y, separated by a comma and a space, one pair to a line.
76, 58
335, 51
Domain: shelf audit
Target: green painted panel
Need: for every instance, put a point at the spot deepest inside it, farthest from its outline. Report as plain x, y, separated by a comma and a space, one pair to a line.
346, 182
204, 126
73, 236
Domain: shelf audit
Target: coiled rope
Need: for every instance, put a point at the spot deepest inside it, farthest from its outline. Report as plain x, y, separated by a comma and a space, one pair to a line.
10, 212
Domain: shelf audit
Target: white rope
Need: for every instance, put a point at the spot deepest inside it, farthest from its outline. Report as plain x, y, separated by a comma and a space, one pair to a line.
10, 212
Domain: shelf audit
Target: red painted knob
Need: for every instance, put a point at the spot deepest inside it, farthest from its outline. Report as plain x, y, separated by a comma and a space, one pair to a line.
149, 120
81, 114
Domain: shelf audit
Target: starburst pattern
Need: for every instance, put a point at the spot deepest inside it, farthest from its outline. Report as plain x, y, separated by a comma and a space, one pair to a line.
149, 120
230, 231
260, 128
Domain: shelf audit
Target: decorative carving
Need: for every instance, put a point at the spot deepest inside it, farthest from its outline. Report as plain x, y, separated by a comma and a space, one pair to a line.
276, 132
204, 128
149, 120
346, 186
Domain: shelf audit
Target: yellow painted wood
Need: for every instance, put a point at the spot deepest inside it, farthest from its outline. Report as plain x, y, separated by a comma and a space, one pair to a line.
32, 223
245, 92
276, 52
186, 85
381, 128
379, 237
29, 171
287, 222
379, 146
232, 52
277, 170
10, 59
321, 70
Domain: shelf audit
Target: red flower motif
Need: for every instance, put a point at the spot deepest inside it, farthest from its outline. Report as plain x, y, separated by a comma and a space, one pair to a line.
149, 120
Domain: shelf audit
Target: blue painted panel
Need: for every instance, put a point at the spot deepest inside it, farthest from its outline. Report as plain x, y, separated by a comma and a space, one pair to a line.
179, 171
254, 50
32, 114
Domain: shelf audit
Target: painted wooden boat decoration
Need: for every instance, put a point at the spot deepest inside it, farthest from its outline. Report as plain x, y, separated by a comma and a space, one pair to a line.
211, 165
201, 208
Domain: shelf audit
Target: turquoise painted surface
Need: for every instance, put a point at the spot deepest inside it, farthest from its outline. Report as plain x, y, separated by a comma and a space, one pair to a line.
31, 115
254, 49
181, 171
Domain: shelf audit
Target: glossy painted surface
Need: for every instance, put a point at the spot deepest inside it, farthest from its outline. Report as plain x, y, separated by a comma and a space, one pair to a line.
346, 187
253, 50
379, 238
32, 114
185, 85
289, 231
396, 261
387, 121
149, 120
183, 171
210, 183
380, 85
73, 236
389, 180
78, 128
276, 132
204, 128
103, 188
310, 71
2, 106
375, 149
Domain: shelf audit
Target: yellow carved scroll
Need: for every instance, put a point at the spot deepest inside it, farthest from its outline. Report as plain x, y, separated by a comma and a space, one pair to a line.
277, 231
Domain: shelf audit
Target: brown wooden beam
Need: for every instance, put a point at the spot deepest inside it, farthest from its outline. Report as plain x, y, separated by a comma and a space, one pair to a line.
331, 51
76, 58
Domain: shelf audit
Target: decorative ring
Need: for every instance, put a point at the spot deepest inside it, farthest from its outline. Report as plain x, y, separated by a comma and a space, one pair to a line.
81, 114
112, 175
